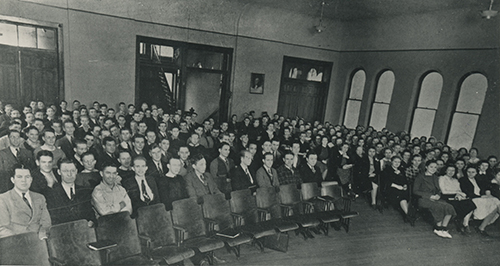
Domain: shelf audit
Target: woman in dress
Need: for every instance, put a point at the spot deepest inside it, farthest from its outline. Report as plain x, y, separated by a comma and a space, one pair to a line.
396, 186
426, 186
452, 193
360, 171
373, 175
488, 207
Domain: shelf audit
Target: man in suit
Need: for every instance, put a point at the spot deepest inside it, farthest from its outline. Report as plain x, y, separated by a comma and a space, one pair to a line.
184, 154
287, 174
125, 142
21, 210
172, 186
278, 156
66, 142
199, 183
242, 177
267, 176
138, 144
310, 172
141, 189
80, 147
12, 156
67, 201
221, 166
45, 177
156, 167
109, 152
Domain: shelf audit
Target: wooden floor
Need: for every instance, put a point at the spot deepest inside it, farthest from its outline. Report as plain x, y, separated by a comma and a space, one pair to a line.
379, 239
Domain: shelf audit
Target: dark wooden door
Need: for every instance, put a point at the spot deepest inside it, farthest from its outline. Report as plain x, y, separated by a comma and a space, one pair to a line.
304, 88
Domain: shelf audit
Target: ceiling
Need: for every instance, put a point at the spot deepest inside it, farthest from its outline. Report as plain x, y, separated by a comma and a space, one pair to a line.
366, 9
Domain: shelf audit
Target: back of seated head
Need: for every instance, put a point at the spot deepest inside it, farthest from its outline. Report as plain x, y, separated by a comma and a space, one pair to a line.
196, 158
78, 141
138, 136
44, 153
65, 161
107, 139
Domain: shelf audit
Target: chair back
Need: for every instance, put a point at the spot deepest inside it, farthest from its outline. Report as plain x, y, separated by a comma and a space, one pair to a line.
216, 207
68, 242
122, 229
267, 198
187, 214
243, 202
334, 191
23, 249
310, 190
155, 222
289, 194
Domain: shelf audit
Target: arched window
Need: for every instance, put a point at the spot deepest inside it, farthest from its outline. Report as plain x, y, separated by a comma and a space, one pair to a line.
355, 97
380, 107
466, 115
428, 100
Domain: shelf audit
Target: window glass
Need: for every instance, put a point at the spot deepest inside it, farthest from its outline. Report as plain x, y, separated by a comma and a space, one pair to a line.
46, 39
352, 113
27, 36
8, 34
358, 85
430, 92
472, 94
384, 87
378, 119
462, 131
423, 119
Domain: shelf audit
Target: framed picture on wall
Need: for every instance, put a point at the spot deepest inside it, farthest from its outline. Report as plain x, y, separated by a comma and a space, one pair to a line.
257, 83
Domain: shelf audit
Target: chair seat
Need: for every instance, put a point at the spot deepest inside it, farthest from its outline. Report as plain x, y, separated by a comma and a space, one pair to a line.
350, 214
327, 217
281, 225
259, 230
239, 240
204, 244
304, 220
135, 260
172, 254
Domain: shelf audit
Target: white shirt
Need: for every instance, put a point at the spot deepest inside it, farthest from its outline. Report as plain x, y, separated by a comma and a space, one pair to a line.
67, 188
26, 195
14, 150
245, 169
148, 189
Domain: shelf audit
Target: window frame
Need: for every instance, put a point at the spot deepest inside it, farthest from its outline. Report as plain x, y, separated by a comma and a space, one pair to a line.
351, 79
374, 101
417, 99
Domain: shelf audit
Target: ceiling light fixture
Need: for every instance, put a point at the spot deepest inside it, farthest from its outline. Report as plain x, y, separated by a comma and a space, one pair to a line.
320, 28
487, 14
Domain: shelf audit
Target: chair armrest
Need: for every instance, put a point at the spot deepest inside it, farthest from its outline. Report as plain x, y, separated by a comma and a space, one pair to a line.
102, 245
56, 262
146, 241
239, 219
264, 214
286, 210
212, 225
180, 234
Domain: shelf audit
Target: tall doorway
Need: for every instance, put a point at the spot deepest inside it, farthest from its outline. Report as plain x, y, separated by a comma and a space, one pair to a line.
178, 75
304, 88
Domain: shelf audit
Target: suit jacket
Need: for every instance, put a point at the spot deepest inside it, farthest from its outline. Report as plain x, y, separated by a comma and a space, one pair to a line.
468, 188
62, 209
308, 176
240, 180
153, 169
7, 162
220, 172
104, 158
17, 218
134, 193
196, 188
265, 180
66, 146
39, 183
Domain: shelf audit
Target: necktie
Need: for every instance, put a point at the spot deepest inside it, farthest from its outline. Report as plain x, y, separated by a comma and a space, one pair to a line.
203, 179
16, 152
227, 164
313, 170
27, 203
159, 168
145, 195
71, 193
270, 173
249, 176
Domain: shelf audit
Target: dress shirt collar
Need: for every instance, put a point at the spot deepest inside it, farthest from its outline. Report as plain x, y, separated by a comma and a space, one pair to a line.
14, 150
268, 169
67, 189
244, 167
26, 195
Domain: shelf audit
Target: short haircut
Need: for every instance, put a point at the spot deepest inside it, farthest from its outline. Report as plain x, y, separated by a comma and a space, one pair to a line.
78, 141
107, 164
87, 154
196, 158
108, 139
139, 158
267, 154
44, 153
311, 153
138, 136
65, 161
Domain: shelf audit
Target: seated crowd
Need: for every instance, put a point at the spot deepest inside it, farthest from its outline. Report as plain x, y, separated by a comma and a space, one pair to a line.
58, 165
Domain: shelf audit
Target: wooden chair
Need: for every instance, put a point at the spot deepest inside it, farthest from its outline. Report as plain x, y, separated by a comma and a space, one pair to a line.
320, 206
68, 244
121, 229
191, 228
342, 204
23, 249
216, 208
156, 231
